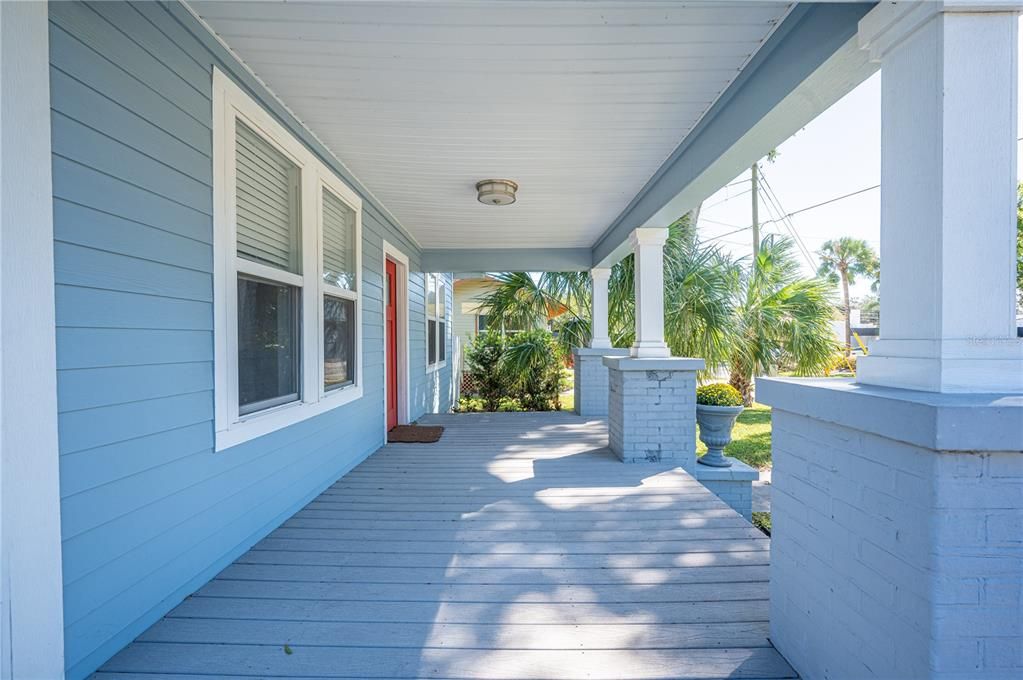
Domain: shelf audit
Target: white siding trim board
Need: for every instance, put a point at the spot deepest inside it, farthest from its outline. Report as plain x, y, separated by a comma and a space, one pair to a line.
31, 596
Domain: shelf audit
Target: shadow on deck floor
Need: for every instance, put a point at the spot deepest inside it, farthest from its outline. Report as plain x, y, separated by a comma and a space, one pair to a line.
516, 547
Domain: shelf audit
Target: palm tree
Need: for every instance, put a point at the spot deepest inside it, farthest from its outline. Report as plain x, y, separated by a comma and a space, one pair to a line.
699, 281
700, 285
525, 301
782, 318
842, 261
1019, 247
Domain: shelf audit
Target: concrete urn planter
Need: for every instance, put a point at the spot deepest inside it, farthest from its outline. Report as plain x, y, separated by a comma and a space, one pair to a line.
716, 424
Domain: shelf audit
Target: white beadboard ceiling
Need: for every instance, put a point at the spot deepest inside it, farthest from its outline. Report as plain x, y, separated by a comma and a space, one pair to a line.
578, 102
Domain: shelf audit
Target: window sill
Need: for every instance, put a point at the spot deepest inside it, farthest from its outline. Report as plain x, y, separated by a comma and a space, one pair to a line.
433, 368
262, 423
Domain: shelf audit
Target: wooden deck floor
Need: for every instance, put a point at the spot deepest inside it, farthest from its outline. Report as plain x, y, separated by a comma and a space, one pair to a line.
516, 547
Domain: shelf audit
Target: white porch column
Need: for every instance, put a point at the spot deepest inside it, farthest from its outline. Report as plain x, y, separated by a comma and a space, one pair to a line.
648, 247
590, 383
948, 195
599, 337
895, 516
31, 600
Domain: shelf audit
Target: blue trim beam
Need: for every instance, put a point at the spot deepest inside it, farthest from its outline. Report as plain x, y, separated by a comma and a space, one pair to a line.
506, 259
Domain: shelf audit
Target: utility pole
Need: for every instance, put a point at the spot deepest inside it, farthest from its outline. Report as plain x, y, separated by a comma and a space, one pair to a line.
756, 210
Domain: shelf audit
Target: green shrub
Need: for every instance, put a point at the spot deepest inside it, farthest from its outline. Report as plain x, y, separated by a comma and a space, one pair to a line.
718, 394
469, 405
509, 404
533, 363
521, 373
483, 359
762, 521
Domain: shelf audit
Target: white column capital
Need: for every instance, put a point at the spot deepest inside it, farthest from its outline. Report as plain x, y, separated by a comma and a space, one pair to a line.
648, 236
600, 274
889, 24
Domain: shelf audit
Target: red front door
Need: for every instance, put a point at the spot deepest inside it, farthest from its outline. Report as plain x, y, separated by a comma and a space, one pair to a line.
391, 331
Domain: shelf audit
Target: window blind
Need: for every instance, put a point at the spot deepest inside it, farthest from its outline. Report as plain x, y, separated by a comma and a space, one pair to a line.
267, 202
338, 242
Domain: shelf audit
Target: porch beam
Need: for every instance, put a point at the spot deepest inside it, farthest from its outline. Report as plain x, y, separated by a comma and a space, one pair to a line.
505, 259
31, 601
809, 62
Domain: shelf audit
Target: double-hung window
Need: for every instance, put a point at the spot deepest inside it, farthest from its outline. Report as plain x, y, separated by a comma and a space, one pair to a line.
436, 321
287, 313
339, 291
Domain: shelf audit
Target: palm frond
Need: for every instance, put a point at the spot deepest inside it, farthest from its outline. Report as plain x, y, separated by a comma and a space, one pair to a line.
783, 318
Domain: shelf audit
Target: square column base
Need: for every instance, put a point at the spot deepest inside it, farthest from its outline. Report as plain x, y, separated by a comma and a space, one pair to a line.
896, 531
948, 365
733, 485
652, 409
591, 379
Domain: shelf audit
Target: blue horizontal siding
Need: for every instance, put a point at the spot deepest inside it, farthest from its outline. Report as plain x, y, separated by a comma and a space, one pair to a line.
149, 511
84, 226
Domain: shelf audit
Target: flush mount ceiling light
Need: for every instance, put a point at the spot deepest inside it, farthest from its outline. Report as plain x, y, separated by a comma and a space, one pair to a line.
496, 191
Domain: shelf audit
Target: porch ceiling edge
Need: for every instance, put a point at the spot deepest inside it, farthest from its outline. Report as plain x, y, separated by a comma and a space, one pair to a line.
805, 43
931, 420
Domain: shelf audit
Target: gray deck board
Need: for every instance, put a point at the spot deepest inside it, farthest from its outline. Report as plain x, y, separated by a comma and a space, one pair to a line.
516, 547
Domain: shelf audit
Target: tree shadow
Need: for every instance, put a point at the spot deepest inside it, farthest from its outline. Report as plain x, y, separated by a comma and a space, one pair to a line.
516, 547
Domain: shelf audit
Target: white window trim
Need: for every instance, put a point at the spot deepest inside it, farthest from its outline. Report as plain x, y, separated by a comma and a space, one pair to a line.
231, 103
437, 365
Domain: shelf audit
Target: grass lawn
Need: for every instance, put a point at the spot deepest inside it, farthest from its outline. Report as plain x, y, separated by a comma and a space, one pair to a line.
751, 438
567, 396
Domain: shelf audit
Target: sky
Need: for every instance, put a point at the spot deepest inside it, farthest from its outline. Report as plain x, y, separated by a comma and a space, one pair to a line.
838, 153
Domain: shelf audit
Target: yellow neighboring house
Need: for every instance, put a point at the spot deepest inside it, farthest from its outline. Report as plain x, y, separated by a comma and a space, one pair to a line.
468, 316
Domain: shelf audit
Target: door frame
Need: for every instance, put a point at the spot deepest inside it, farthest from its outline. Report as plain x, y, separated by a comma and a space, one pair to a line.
400, 259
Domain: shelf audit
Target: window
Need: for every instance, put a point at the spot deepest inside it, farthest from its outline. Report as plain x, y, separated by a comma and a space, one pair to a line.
339, 284
268, 345
436, 320
287, 326
268, 227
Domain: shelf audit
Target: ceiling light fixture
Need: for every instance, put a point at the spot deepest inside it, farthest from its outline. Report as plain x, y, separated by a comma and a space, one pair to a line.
496, 191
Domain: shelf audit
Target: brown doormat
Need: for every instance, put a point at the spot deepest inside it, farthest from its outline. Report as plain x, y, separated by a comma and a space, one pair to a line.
415, 434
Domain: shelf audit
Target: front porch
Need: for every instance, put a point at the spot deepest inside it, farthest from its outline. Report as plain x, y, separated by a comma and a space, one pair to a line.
517, 546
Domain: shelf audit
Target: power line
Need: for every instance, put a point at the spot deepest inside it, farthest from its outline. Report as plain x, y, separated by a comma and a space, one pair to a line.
727, 233
784, 216
723, 224
837, 198
774, 202
726, 199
